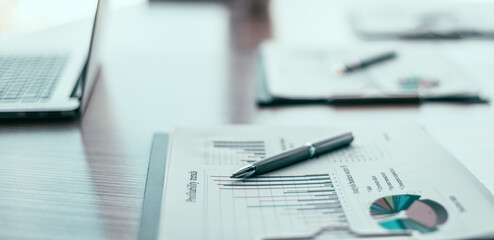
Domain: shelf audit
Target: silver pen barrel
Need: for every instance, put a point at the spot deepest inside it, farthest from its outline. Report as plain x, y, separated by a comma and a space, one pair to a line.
244, 172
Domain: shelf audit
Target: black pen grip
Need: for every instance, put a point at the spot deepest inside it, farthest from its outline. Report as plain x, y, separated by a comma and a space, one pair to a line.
281, 160
377, 59
325, 146
302, 153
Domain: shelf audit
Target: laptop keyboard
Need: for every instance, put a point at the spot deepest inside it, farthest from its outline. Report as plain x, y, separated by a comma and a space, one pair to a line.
29, 78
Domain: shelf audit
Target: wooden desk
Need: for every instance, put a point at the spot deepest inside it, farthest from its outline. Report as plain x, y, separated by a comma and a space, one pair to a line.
170, 65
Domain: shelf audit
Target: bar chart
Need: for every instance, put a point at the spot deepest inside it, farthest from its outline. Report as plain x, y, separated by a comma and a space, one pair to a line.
278, 203
236, 153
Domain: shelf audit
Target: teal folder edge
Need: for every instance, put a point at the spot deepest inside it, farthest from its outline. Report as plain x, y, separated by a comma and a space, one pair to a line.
153, 193
264, 97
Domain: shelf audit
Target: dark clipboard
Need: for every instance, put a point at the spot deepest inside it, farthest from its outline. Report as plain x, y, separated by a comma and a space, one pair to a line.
151, 205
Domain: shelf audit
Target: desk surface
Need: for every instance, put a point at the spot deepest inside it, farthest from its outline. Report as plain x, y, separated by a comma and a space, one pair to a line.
170, 65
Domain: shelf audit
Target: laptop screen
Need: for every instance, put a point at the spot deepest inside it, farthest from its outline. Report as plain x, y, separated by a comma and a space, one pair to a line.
92, 70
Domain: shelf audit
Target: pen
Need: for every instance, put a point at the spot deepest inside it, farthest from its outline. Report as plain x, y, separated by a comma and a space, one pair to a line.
346, 68
293, 156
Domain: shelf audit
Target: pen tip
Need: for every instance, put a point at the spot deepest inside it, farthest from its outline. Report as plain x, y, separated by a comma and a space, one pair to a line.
338, 69
232, 176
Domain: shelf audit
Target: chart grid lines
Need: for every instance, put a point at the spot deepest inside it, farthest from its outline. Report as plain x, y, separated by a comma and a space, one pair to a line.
308, 199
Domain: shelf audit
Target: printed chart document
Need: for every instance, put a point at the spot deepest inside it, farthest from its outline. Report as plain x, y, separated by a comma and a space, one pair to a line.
392, 182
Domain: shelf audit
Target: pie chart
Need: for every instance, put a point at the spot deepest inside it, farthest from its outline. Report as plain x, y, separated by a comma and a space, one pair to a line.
408, 212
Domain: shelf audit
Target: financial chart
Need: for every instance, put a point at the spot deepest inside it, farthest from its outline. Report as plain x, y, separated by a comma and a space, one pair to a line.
274, 203
242, 152
235, 152
378, 185
271, 203
408, 212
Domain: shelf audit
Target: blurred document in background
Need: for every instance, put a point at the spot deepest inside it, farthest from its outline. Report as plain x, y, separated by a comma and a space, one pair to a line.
422, 19
416, 71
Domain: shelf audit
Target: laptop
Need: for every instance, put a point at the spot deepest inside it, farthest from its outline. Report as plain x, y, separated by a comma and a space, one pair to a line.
49, 84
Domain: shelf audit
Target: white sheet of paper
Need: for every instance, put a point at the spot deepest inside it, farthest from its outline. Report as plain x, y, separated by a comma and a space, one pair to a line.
434, 196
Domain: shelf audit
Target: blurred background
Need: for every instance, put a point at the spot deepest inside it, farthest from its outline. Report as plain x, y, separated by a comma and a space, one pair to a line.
377, 19
22, 16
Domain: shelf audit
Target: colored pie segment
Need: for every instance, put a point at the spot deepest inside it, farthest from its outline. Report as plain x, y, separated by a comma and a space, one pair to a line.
408, 212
